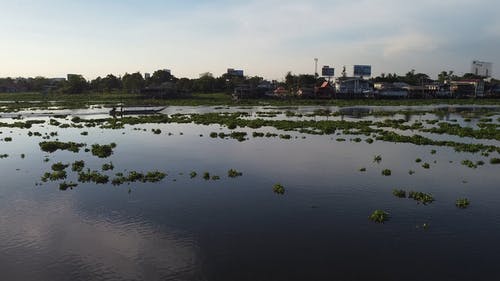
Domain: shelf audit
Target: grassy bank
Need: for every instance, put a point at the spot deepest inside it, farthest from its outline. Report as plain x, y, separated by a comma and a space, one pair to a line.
25, 100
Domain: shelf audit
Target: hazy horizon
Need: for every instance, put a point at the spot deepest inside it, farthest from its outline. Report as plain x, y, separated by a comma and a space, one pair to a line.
264, 38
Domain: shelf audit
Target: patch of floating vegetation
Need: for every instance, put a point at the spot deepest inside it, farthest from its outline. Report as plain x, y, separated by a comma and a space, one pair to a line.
418, 160
77, 166
103, 151
279, 189
379, 216
386, 172
84, 133
92, 176
400, 193
193, 174
377, 159
64, 185
156, 131
362, 169
421, 197
469, 163
54, 176
206, 175
108, 166
52, 146
495, 161
21, 125
134, 176
215, 177
232, 173
2, 156
7, 139
462, 203
426, 166
59, 166
433, 151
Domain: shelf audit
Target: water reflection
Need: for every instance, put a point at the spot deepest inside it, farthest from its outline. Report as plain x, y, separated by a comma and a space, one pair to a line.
64, 241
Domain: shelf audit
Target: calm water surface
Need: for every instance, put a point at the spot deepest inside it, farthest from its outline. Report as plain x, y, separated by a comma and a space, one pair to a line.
237, 228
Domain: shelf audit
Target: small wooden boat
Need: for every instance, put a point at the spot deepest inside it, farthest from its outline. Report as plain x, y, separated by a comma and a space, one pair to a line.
135, 111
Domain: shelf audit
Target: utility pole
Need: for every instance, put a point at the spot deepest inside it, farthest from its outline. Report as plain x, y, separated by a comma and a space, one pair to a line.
316, 68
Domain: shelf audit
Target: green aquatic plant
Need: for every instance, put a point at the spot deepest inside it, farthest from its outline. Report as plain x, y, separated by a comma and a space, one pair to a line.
206, 175
400, 193
377, 159
93, 176
386, 172
59, 166
433, 151
418, 160
426, 166
495, 161
56, 175
215, 178
279, 189
7, 139
154, 176
362, 169
78, 166
52, 146
369, 140
64, 185
193, 174
411, 172
462, 203
156, 131
379, 216
213, 135
232, 173
421, 197
84, 133
103, 151
4, 156
469, 164
108, 166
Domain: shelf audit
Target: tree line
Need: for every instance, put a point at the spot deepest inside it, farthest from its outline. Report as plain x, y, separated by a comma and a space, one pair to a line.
206, 83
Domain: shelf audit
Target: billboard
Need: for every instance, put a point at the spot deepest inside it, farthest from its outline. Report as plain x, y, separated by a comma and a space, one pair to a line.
327, 71
481, 68
363, 70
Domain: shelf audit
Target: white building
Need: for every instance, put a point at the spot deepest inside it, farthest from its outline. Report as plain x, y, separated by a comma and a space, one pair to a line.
481, 68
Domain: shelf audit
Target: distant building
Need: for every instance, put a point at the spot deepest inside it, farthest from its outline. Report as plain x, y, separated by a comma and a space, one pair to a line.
352, 86
235, 72
481, 68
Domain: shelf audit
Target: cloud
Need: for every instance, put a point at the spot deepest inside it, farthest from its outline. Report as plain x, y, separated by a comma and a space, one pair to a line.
409, 44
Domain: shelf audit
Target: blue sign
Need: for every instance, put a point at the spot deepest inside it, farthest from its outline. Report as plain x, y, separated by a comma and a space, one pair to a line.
327, 71
362, 70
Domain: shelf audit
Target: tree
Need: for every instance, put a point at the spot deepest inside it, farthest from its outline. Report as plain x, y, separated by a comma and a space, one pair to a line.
111, 82
133, 83
206, 83
161, 76
75, 84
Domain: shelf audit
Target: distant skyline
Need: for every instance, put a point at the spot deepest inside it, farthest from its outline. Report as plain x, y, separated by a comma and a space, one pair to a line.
266, 38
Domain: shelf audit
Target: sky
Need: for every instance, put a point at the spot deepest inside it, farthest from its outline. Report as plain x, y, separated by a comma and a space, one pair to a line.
266, 38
